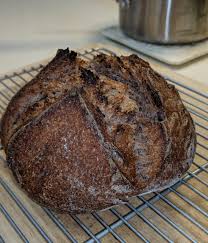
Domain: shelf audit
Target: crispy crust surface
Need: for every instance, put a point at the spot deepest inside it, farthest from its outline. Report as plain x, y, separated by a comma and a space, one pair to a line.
83, 136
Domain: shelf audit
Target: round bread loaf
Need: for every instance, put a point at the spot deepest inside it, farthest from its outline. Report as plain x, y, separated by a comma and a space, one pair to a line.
86, 135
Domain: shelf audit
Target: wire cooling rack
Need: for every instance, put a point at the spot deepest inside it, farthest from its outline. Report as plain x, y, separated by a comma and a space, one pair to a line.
177, 214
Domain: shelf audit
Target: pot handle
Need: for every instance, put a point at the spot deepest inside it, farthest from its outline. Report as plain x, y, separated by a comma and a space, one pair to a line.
123, 3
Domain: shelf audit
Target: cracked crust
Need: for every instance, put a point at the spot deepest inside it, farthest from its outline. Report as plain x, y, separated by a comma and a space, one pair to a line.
52, 83
83, 136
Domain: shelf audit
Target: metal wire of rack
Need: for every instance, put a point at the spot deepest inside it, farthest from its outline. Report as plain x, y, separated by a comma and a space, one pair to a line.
178, 212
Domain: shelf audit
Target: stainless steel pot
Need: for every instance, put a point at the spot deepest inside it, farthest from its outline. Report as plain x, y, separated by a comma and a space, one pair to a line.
164, 21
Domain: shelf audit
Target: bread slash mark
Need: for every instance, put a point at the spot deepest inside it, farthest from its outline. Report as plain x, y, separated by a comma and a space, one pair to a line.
88, 76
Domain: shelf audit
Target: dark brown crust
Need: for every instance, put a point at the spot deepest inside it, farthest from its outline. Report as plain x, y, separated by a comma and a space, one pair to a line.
53, 172
116, 129
46, 88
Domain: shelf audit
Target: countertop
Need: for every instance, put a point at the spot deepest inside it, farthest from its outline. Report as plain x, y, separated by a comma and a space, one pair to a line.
34, 30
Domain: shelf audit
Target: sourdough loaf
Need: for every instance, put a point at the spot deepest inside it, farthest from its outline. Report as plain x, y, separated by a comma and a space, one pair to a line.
86, 135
